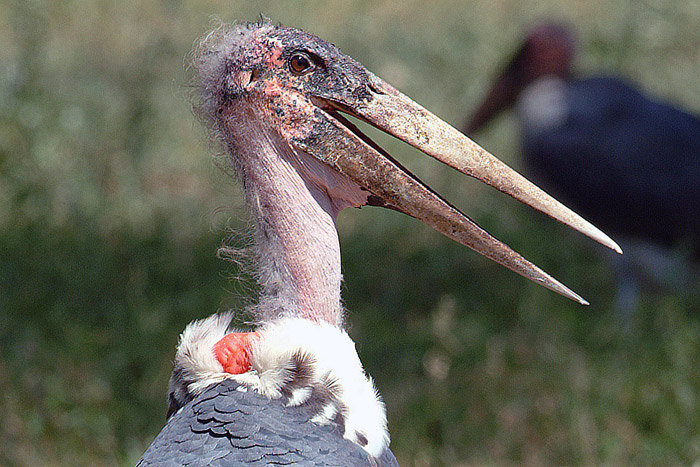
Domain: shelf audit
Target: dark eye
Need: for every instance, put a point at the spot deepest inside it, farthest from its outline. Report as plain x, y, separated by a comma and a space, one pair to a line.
300, 62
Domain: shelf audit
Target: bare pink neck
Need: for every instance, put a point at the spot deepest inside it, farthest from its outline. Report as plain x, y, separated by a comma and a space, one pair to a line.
299, 251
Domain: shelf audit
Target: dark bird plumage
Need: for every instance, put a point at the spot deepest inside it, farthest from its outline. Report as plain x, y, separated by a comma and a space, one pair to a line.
225, 427
630, 162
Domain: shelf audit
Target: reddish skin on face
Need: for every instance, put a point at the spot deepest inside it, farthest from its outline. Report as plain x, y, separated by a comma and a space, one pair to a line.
233, 351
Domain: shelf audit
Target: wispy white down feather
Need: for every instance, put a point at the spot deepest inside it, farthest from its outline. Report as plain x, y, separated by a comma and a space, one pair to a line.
195, 352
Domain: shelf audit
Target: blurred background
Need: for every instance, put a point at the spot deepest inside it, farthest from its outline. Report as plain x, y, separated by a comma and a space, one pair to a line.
111, 214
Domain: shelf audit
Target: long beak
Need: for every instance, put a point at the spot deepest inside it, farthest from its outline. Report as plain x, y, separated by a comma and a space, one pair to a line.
350, 152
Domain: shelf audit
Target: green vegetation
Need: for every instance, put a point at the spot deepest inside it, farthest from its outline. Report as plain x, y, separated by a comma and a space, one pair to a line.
111, 213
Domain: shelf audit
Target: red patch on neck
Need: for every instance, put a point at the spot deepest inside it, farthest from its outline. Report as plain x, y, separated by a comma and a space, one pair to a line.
233, 351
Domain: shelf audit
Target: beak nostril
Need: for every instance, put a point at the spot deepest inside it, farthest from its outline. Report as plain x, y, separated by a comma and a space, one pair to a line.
375, 89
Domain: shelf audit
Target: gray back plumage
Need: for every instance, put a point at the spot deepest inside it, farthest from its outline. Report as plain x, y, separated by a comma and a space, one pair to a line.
227, 425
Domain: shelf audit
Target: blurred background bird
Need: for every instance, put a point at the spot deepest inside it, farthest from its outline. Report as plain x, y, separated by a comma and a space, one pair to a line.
629, 162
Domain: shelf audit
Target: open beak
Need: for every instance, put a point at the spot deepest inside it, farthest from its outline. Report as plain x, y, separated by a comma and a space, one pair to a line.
352, 153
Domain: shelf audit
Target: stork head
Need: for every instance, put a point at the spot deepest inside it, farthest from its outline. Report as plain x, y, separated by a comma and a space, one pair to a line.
548, 50
297, 89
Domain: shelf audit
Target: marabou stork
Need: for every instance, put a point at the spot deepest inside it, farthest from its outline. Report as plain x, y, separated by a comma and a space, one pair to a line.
294, 391
629, 163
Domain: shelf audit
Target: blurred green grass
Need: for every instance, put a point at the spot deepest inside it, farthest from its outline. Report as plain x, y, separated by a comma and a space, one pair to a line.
111, 213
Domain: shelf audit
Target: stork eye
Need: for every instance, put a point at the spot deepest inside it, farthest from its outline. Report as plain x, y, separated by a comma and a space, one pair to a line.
300, 62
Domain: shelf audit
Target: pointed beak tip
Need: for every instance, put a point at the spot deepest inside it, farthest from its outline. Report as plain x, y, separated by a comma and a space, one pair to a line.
575, 297
593, 232
607, 241
556, 286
